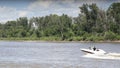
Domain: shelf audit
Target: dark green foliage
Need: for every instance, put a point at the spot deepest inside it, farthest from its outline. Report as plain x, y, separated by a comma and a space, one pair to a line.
92, 24
109, 35
113, 13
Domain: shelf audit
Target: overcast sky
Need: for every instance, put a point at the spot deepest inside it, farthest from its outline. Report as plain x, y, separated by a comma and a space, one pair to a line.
13, 9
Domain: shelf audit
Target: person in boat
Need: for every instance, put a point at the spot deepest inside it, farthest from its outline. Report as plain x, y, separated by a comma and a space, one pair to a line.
94, 48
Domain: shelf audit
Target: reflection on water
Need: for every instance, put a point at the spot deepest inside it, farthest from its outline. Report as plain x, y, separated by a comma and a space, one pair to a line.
53, 55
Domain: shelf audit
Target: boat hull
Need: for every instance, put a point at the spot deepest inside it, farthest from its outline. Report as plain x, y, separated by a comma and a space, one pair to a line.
98, 52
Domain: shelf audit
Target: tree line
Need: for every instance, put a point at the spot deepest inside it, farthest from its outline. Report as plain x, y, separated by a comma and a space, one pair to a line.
92, 24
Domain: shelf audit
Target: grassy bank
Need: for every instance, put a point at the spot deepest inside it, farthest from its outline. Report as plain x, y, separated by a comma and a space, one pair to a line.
57, 39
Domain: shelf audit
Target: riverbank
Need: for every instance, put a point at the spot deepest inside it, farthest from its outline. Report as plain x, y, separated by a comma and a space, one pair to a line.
61, 41
69, 41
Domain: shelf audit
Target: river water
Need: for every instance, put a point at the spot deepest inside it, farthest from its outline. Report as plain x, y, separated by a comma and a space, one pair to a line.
55, 55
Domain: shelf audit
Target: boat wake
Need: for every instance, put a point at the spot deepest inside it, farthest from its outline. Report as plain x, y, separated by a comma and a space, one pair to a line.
105, 56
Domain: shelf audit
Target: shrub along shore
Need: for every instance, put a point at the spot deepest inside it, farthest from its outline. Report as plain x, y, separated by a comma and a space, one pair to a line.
57, 39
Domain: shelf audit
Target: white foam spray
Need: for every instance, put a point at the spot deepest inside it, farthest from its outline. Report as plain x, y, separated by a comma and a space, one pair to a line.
105, 56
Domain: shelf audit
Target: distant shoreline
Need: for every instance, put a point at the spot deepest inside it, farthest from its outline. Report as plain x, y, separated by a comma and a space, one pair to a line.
118, 41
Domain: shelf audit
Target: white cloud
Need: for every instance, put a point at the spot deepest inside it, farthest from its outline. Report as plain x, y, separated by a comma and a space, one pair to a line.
22, 13
7, 13
46, 7
40, 4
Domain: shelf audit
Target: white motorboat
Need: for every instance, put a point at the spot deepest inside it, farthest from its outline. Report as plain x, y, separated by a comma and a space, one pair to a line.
94, 51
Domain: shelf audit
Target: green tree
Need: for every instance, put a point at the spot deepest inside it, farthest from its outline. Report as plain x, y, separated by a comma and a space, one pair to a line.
113, 13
